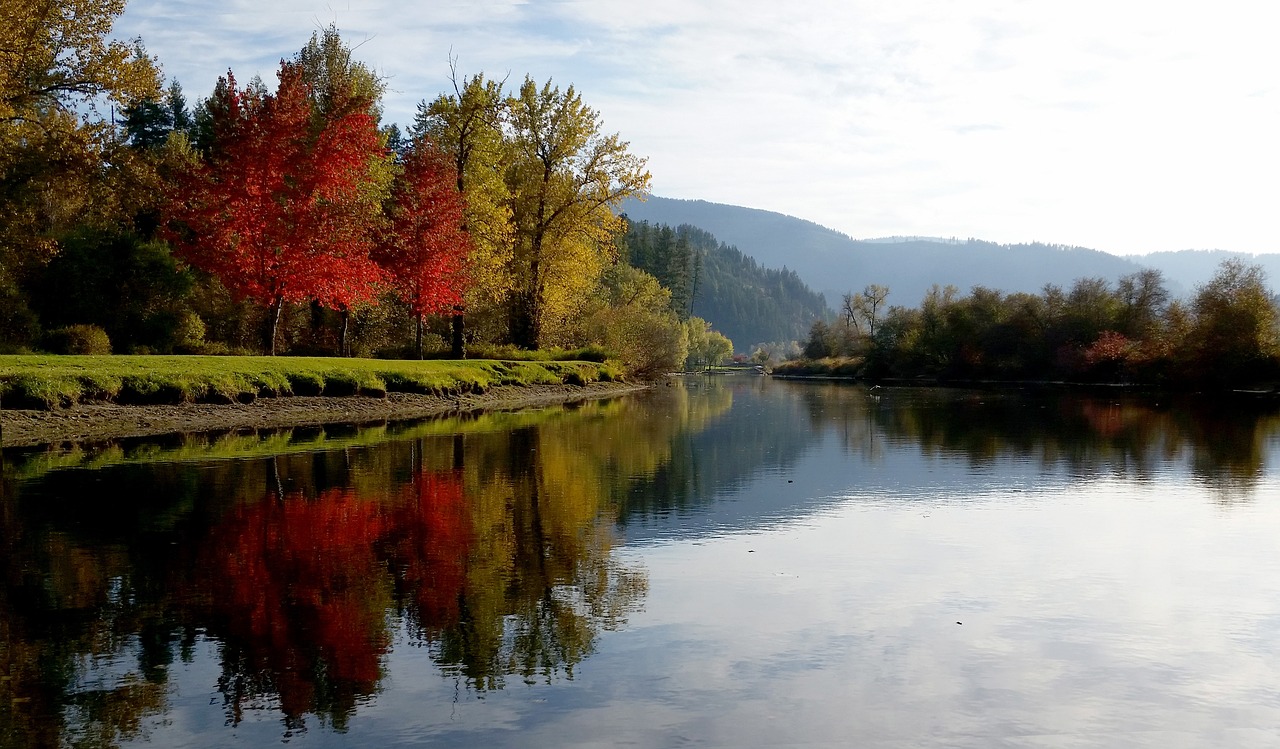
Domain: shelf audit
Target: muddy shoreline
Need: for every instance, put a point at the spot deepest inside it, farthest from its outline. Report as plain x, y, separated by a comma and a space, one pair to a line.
105, 421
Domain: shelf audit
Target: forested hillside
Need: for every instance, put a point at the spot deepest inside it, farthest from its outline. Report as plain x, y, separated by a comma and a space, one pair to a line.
835, 264
1186, 270
745, 301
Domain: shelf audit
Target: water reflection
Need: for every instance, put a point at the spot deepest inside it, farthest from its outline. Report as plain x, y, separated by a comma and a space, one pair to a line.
305, 558
491, 548
1227, 441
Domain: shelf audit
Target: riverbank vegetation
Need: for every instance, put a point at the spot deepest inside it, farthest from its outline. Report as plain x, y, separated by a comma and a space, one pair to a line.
292, 220
37, 381
1225, 336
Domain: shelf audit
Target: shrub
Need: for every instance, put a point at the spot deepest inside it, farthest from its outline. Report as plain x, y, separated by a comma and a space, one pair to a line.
188, 336
78, 339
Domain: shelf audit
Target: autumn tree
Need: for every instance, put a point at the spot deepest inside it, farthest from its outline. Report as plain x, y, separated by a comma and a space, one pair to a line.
633, 319
424, 248
339, 85
864, 309
56, 63
468, 124
1234, 333
565, 181
278, 208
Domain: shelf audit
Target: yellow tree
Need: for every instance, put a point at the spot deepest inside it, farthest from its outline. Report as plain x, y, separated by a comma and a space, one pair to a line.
56, 61
468, 125
564, 181
1234, 336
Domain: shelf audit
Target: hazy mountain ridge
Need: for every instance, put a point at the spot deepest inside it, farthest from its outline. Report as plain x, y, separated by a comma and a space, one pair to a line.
709, 279
833, 263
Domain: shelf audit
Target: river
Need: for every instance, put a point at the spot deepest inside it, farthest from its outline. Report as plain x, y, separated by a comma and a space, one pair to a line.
728, 561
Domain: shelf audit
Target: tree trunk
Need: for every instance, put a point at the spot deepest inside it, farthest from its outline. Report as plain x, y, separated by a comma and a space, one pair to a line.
417, 344
523, 333
272, 323
342, 337
458, 349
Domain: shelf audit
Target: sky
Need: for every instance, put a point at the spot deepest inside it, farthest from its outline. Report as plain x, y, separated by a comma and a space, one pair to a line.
1127, 127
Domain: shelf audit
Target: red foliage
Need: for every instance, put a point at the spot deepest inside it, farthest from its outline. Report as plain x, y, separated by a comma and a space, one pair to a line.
275, 211
299, 586
293, 581
1109, 348
425, 248
436, 523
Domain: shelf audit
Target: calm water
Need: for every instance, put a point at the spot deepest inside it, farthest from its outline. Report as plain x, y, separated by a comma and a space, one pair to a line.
731, 563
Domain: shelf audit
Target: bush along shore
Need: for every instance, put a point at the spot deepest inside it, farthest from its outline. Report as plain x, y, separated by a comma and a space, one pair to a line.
51, 382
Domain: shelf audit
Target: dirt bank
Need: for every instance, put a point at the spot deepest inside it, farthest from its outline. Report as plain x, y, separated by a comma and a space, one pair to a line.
98, 422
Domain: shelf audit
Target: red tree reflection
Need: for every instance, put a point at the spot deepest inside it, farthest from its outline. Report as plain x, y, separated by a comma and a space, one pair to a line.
298, 589
431, 546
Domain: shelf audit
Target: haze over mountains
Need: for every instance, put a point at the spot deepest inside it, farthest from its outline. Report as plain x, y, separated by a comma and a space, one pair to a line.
834, 264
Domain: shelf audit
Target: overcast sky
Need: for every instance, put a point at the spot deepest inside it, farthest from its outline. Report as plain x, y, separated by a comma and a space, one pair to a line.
1123, 126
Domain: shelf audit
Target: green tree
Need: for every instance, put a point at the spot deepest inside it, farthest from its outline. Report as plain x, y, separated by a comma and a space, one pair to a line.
1234, 333
131, 288
821, 342
635, 321
706, 347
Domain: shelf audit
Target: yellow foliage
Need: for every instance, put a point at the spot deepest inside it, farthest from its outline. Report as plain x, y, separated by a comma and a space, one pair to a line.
565, 181
468, 125
55, 55
56, 52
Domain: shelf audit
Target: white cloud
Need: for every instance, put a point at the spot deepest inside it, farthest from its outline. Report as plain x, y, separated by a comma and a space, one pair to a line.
1127, 127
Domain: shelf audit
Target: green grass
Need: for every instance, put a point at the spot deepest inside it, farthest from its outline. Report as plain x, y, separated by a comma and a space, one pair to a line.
47, 382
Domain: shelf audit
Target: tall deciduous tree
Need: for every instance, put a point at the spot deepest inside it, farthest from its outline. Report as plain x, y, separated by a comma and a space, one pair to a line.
55, 53
56, 60
424, 247
565, 181
1235, 328
277, 210
469, 125
865, 308
338, 86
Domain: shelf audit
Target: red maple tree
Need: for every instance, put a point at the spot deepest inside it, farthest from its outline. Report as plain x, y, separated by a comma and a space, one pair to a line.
423, 247
278, 209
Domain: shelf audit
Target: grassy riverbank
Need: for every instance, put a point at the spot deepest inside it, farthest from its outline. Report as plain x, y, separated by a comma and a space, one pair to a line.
47, 382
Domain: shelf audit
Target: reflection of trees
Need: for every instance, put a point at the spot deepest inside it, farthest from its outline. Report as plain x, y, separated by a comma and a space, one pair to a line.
493, 548
291, 586
724, 444
66, 610
1088, 435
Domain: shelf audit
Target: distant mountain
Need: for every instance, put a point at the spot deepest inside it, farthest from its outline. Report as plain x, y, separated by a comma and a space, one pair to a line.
834, 263
710, 279
1184, 270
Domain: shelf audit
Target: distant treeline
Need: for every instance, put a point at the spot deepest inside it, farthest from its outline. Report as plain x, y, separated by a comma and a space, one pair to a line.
712, 280
1132, 332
